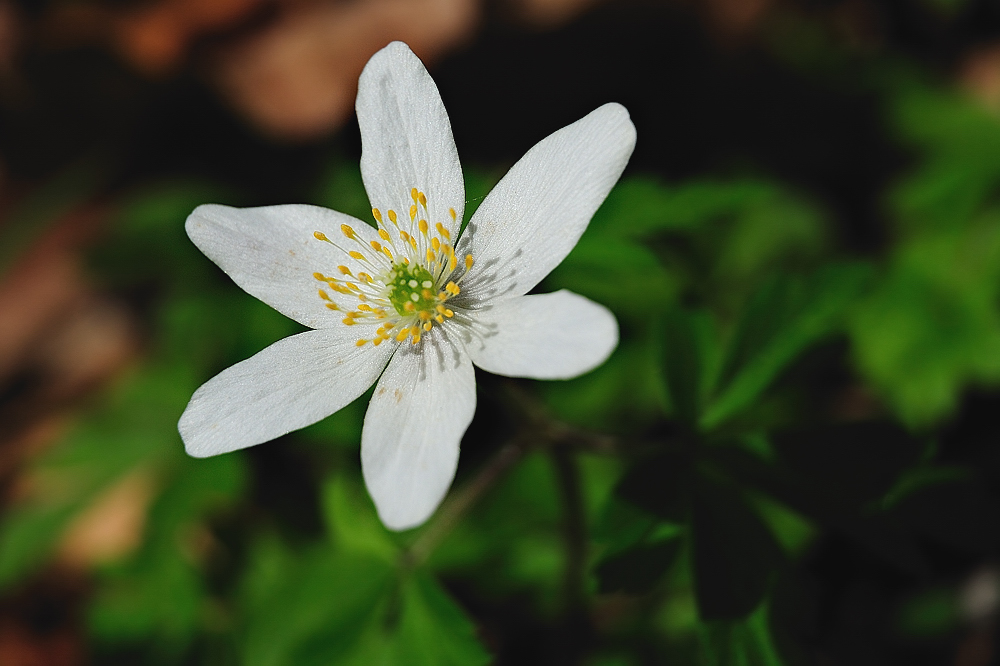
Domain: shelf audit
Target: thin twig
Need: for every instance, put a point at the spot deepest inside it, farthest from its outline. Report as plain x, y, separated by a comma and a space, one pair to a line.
459, 503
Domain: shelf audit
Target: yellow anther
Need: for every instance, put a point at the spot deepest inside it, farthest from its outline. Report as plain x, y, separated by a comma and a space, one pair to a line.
347, 231
414, 193
386, 252
413, 213
364, 276
340, 289
468, 261
405, 236
440, 308
348, 321
452, 288
413, 242
321, 236
422, 224
452, 263
365, 307
423, 199
320, 277
354, 287
409, 306
439, 319
428, 326
436, 244
451, 211
332, 306
375, 245
392, 216
325, 296
344, 269
378, 341
402, 334
360, 257
406, 261
377, 214
430, 256
449, 313
416, 337
361, 343
384, 234
389, 325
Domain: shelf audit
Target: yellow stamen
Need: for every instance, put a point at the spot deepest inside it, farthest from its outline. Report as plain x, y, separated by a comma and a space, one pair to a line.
451, 211
378, 214
468, 261
384, 234
392, 216
325, 296
344, 269
423, 199
428, 326
347, 231
439, 319
332, 306
436, 244
423, 226
360, 257
414, 192
361, 343
348, 321
321, 236
413, 213
376, 245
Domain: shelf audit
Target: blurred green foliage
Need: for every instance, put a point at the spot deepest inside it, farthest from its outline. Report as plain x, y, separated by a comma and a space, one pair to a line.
703, 467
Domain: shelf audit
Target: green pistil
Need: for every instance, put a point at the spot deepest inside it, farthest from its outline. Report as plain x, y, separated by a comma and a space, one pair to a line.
414, 285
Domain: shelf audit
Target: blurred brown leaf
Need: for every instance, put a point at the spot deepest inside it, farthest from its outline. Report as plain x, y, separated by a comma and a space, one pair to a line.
112, 526
297, 78
980, 75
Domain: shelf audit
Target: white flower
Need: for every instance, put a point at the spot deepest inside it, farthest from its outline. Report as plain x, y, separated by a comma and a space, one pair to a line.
409, 304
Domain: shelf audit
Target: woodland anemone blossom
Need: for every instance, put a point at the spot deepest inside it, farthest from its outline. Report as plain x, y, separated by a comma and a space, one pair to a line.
409, 303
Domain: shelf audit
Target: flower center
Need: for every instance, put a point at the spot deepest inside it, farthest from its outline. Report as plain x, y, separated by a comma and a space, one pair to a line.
407, 280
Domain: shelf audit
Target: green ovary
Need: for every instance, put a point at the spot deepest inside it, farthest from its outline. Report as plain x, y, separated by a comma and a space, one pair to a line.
412, 289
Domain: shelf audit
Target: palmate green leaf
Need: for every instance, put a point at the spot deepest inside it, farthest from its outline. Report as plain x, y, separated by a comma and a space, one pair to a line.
688, 353
932, 326
317, 603
159, 594
622, 274
733, 553
742, 643
783, 318
962, 141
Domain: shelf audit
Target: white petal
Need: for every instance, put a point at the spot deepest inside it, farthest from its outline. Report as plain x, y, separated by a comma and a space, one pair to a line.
271, 253
422, 405
406, 139
291, 384
547, 336
537, 212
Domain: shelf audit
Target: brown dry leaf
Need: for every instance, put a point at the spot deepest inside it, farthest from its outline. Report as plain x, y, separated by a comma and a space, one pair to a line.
43, 285
548, 13
93, 341
980, 75
112, 526
19, 647
156, 38
297, 78
736, 17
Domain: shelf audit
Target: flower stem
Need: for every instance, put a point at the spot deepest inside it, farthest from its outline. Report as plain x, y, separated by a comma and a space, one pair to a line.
459, 503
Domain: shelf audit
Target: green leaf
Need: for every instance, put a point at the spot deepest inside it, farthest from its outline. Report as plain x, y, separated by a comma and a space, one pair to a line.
783, 318
733, 554
433, 630
744, 643
686, 338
